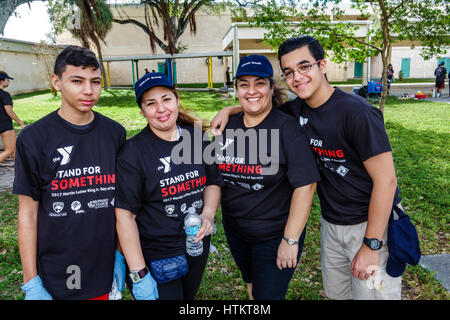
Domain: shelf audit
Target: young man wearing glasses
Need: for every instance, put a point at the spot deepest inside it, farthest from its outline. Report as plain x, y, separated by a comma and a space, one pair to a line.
358, 187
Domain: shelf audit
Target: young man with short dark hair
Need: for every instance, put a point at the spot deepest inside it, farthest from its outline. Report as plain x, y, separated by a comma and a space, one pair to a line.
358, 186
65, 181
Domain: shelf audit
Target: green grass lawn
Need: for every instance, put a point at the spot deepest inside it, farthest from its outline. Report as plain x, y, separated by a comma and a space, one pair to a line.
419, 135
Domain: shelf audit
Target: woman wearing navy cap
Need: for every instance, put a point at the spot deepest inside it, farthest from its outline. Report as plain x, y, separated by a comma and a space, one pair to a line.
268, 187
6, 116
154, 192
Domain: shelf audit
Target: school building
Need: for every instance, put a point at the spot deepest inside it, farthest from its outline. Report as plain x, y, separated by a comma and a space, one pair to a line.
218, 33
129, 55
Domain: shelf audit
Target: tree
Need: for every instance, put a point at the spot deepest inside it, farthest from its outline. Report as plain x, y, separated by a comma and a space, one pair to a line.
7, 8
173, 16
424, 22
87, 20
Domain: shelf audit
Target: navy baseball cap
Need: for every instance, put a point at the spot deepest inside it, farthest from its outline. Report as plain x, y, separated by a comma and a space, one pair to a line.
254, 65
403, 243
441, 63
4, 75
150, 80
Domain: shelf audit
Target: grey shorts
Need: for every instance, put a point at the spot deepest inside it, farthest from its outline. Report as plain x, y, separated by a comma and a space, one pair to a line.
339, 245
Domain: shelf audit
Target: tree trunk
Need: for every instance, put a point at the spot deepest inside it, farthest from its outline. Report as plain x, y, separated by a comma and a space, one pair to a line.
102, 67
385, 51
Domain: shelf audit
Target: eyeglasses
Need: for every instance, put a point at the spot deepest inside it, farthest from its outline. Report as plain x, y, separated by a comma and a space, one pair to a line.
304, 68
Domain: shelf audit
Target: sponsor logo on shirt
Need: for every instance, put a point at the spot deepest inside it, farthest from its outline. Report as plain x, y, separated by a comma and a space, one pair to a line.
303, 121
58, 206
65, 153
76, 206
198, 204
170, 209
98, 204
166, 163
342, 170
257, 186
243, 184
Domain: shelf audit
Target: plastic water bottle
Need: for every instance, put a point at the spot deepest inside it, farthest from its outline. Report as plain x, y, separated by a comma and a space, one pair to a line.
192, 224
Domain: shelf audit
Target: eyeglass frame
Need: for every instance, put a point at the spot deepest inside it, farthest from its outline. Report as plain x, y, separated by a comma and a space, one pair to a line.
298, 70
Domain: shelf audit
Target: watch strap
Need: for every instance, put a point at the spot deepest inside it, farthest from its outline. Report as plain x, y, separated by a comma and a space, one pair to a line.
138, 275
290, 241
369, 243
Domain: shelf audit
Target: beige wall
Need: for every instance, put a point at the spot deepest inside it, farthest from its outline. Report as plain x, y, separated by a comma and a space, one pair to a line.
130, 40
22, 61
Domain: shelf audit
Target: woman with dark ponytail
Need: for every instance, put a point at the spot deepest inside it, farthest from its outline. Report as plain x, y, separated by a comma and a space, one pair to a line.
154, 192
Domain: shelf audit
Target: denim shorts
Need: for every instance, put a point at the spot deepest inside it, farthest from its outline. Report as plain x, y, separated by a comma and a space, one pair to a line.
258, 265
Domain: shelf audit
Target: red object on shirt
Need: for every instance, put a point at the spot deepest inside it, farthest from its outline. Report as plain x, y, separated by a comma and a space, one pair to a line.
103, 297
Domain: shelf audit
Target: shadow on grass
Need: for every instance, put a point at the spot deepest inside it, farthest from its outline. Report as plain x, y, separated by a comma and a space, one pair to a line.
30, 94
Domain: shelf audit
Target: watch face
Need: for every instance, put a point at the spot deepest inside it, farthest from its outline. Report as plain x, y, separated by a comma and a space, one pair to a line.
134, 276
374, 244
290, 241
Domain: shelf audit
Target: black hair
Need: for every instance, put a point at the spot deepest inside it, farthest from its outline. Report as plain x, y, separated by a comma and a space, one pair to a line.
314, 46
75, 56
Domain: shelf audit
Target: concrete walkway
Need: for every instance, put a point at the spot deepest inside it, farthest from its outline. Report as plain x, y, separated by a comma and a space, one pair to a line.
439, 263
398, 89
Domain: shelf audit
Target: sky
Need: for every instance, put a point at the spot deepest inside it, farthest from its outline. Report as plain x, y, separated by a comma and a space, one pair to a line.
30, 25
33, 25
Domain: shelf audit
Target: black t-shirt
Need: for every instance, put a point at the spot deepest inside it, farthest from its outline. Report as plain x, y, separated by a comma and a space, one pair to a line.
71, 173
5, 100
440, 73
343, 132
260, 179
160, 192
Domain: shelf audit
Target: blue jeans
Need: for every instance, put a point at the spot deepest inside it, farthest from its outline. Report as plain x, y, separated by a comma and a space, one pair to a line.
258, 265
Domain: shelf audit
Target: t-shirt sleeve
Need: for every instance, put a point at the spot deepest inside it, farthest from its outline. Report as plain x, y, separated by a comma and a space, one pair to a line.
213, 176
129, 180
26, 177
301, 165
368, 133
6, 99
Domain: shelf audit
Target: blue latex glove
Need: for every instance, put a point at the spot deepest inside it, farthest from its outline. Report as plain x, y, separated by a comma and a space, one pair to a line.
119, 271
119, 277
146, 289
34, 290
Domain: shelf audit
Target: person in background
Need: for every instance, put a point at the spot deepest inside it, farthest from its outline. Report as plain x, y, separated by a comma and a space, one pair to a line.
390, 76
7, 114
440, 73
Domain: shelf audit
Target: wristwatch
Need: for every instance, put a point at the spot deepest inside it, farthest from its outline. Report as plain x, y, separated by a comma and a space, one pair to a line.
373, 244
138, 275
290, 241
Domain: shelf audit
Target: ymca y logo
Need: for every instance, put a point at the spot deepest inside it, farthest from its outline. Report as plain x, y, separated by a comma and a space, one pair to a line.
227, 143
65, 152
166, 163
